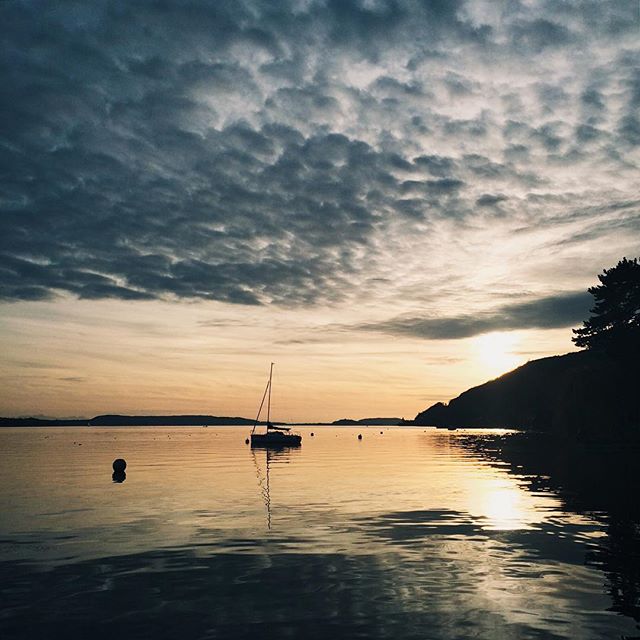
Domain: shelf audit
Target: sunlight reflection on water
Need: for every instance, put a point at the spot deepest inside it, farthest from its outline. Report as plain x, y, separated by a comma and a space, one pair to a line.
403, 534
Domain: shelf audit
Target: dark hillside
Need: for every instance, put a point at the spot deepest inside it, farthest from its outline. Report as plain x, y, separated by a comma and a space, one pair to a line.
575, 394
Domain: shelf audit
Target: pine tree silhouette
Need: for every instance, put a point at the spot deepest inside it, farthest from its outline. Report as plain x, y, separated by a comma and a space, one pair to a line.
614, 326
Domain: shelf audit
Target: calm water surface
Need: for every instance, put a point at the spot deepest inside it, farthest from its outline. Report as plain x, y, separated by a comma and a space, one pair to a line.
409, 533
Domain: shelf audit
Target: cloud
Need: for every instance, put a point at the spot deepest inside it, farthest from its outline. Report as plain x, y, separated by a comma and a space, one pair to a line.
490, 200
563, 310
538, 34
256, 153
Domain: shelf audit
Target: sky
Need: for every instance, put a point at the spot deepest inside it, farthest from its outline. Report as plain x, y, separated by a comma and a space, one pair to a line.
391, 200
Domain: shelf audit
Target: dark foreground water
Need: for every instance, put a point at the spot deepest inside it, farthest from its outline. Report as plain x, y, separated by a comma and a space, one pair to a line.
409, 533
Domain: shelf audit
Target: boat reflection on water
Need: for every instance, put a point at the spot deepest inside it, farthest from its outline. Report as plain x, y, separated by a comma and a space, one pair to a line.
263, 464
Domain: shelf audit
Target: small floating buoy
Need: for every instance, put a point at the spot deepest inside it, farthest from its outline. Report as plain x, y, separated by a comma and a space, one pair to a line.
246, 441
359, 436
119, 465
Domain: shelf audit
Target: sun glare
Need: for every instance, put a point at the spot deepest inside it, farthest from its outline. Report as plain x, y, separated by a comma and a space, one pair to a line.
504, 509
495, 352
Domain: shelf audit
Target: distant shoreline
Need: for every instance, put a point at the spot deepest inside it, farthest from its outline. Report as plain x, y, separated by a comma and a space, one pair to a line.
178, 421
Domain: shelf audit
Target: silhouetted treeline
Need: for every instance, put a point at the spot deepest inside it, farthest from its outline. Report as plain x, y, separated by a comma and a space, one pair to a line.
156, 421
614, 325
171, 421
42, 422
132, 421
368, 421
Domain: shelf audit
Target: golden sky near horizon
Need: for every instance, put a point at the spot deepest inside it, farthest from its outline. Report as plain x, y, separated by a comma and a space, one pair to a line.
91, 358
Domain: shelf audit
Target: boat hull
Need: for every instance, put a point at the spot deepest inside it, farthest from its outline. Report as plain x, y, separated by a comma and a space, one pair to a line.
275, 440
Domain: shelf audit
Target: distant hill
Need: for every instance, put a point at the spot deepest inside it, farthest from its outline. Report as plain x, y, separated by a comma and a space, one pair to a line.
114, 420
42, 422
133, 421
575, 394
367, 421
159, 421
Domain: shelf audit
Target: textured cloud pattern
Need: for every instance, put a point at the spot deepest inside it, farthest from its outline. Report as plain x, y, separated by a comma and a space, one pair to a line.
294, 153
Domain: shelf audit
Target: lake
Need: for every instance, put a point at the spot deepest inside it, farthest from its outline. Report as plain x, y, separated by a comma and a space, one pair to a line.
407, 533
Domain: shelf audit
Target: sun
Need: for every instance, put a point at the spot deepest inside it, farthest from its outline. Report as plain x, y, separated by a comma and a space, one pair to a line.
495, 352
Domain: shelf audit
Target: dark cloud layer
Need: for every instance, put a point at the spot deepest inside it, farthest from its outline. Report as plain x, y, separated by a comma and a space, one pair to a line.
256, 152
554, 312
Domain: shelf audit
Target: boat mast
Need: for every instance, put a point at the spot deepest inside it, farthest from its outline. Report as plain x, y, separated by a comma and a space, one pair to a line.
269, 401
264, 395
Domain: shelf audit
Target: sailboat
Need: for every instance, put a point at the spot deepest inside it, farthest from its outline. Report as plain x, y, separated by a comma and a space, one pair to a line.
275, 437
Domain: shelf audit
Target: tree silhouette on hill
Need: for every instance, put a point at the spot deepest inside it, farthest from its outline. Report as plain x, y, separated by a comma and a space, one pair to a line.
614, 325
